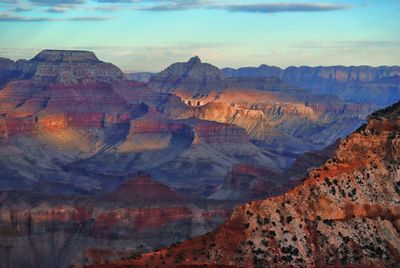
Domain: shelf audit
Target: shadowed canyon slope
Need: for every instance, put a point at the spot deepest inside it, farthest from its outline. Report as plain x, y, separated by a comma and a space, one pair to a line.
345, 214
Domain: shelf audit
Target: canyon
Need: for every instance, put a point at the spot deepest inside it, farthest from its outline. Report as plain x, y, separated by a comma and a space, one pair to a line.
346, 213
95, 166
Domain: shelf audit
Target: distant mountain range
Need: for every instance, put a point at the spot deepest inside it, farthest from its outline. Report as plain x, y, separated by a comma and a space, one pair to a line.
361, 84
378, 85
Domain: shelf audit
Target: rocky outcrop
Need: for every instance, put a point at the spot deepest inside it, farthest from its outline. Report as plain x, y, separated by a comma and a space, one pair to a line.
193, 76
344, 214
376, 85
60, 89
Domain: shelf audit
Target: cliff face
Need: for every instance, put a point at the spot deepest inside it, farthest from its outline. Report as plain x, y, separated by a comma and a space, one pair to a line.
346, 214
378, 85
51, 231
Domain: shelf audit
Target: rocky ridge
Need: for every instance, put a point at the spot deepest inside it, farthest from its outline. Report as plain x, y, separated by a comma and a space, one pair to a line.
363, 84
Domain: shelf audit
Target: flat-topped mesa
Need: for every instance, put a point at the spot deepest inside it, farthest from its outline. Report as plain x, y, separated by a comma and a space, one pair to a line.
66, 56
192, 76
69, 66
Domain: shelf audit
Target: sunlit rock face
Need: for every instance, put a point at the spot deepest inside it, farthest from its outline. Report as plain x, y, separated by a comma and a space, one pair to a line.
56, 231
363, 84
275, 118
344, 214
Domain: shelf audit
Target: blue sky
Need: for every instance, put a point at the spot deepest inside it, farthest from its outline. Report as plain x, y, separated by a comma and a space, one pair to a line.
148, 35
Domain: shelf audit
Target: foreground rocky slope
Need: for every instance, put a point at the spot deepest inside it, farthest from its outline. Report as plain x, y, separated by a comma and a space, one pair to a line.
345, 214
364, 84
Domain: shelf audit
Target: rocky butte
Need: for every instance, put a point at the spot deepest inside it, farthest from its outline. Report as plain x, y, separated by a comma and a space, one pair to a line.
346, 213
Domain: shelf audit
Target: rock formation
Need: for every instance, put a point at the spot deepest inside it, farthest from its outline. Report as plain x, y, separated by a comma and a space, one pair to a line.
346, 213
194, 76
68, 67
378, 85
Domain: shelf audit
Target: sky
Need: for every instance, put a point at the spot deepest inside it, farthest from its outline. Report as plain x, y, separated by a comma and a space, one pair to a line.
148, 35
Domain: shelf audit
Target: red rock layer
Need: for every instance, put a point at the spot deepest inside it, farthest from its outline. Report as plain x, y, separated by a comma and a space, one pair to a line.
211, 132
345, 214
27, 106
